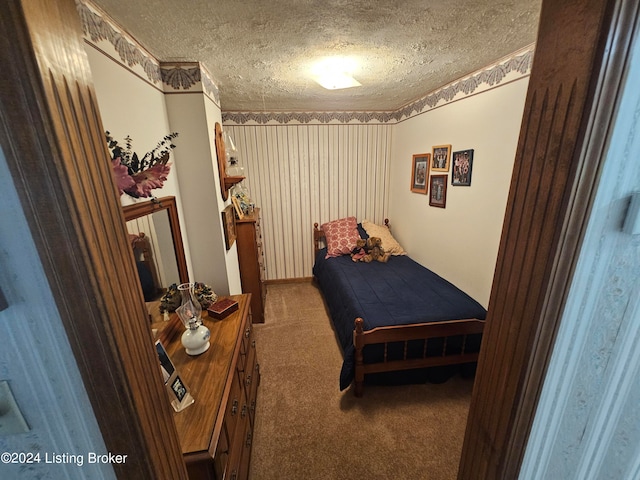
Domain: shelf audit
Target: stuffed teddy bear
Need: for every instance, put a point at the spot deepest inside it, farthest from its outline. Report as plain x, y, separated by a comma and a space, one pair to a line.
359, 252
375, 251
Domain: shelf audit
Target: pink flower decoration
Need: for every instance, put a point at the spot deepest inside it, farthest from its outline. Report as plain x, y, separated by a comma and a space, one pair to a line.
147, 180
137, 176
121, 175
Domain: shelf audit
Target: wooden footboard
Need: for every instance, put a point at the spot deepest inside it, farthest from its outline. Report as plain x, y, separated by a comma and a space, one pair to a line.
405, 334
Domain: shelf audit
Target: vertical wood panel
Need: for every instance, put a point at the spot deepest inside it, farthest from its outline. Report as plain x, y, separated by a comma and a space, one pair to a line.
548, 202
53, 136
301, 174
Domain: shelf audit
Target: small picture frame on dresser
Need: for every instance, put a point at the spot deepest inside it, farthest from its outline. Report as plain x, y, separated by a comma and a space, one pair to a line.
237, 207
179, 393
166, 365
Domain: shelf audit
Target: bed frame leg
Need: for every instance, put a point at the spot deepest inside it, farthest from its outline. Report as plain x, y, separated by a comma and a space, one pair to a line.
359, 389
359, 367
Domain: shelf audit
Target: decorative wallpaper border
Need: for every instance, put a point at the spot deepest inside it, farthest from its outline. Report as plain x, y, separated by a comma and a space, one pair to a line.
171, 77
98, 28
515, 66
193, 77
519, 63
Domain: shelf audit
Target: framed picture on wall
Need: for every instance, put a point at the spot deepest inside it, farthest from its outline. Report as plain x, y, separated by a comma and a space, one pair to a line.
420, 172
229, 225
438, 190
461, 171
440, 158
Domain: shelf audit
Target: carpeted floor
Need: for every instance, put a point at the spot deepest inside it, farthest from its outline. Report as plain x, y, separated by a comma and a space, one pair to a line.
307, 429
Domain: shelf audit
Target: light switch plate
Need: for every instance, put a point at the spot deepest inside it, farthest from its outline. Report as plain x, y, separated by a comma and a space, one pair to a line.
11, 419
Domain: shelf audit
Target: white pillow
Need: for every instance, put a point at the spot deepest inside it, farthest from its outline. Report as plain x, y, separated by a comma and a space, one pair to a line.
389, 244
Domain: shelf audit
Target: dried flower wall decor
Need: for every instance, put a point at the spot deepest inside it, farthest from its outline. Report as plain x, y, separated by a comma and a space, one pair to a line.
137, 176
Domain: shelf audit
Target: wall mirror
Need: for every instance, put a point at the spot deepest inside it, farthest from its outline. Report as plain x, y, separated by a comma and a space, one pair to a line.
154, 236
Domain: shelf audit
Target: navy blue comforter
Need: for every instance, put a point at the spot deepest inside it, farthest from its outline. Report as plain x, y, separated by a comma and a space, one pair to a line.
398, 292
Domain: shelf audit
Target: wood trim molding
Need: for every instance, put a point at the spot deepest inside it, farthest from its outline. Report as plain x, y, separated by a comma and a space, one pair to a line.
576, 74
52, 136
169, 204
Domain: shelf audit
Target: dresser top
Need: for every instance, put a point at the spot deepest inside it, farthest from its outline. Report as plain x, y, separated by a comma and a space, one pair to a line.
207, 376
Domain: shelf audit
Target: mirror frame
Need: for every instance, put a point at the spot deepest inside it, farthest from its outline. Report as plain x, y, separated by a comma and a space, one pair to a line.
138, 210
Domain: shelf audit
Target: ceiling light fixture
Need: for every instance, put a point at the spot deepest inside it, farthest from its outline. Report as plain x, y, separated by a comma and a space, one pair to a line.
334, 73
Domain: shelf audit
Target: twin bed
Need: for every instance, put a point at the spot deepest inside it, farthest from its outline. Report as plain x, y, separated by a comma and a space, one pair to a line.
395, 319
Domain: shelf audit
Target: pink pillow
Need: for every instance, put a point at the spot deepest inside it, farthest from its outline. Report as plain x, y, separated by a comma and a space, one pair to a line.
341, 236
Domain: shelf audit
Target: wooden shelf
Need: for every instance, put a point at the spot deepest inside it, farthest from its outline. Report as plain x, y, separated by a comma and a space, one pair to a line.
231, 181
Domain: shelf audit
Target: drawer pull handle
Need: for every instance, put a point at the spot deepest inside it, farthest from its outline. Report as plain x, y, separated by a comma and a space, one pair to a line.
248, 380
247, 332
253, 405
253, 344
234, 408
248, 443
244, 411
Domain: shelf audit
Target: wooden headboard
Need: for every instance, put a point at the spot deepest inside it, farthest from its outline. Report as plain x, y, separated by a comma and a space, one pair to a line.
318, 237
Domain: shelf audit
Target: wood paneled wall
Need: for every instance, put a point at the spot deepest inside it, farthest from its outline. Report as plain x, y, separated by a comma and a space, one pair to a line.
567, 113
51, 132
301, 174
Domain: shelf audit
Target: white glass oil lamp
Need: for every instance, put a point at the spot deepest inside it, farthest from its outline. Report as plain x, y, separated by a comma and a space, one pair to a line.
195, 339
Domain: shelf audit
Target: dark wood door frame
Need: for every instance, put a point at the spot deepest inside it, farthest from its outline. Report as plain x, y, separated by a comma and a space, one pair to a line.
578, 68
52, 137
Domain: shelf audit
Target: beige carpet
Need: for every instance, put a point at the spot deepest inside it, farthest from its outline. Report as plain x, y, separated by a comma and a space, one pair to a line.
307, 429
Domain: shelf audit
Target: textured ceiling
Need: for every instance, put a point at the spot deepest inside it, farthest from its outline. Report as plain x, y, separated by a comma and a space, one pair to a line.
260, 52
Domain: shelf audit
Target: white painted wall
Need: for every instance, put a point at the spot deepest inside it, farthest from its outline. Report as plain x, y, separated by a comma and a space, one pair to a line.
199, 184
213, 115
459, 242
132, 106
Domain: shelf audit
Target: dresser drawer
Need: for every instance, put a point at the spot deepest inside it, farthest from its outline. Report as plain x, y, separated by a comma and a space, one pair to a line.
247, 338
253, 392
236, 468
234, 407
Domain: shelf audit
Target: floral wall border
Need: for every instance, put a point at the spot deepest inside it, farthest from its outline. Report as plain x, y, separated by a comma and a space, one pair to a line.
171, 77
192, 76
517, 65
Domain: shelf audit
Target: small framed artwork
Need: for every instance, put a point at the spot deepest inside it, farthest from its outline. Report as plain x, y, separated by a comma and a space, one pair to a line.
420, 172
178, 388
180, 396
440, 158
438, 190
461, 171
229, 225
166, 366
237, 207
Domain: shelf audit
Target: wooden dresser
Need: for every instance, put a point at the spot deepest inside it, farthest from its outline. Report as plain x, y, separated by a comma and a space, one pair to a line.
216, 430
251, 261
